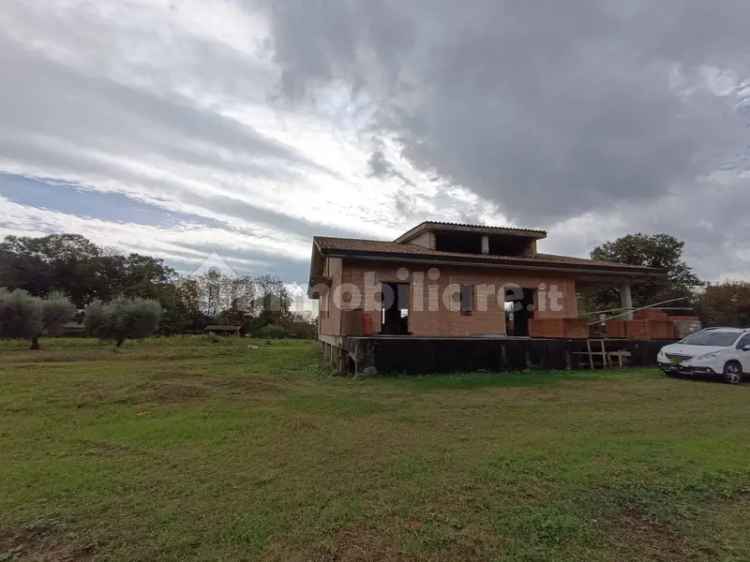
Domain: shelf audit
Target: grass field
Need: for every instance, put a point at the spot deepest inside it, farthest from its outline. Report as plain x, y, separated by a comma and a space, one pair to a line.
179, 449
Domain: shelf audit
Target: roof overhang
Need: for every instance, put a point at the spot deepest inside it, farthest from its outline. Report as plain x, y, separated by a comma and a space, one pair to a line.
593, 273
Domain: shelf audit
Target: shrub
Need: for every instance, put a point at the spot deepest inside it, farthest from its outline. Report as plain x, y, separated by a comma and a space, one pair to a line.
271, 331
57, 310
252, 325
123, 319
96, 319
297, 327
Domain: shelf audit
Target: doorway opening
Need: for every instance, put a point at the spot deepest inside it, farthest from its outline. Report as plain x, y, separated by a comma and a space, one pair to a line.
395, 309
519, 309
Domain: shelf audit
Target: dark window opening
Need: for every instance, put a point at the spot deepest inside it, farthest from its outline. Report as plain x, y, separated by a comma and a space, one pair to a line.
395, 309
510, 246
461, 242
467, 300
471, 243
518, 312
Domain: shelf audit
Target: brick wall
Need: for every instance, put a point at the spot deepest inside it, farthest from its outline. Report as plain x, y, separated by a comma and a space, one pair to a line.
437, 318
330, 316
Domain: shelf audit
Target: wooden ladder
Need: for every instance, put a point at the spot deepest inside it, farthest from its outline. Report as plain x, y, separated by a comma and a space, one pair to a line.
608, 358
591, 354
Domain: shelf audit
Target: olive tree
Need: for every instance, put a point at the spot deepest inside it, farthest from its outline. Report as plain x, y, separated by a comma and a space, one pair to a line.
123, 319
23, 316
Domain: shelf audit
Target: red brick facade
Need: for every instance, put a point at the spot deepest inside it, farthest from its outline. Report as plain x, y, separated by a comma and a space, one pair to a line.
435, 318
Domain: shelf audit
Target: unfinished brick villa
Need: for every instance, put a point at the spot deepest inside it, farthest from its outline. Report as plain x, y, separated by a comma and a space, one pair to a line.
443, 282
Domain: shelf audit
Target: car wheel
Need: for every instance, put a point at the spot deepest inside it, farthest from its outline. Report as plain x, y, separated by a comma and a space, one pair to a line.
733, 372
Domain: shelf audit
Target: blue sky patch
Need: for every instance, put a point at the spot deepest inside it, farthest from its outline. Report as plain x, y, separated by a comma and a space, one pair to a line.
70, 198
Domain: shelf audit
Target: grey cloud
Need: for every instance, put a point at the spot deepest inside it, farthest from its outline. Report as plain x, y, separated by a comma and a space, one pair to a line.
249, 261
49, 101
545, 108
381, 167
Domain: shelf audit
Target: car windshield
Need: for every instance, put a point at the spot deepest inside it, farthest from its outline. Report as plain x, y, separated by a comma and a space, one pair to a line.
719, 339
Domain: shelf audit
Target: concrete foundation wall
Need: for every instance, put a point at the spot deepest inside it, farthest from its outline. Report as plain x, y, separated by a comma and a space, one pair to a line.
411, 355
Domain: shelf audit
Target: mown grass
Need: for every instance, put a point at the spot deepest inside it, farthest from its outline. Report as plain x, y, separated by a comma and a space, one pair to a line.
180, 448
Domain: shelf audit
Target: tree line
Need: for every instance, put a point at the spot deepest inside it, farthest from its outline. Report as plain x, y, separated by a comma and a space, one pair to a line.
70, 273
25, 316
69, 266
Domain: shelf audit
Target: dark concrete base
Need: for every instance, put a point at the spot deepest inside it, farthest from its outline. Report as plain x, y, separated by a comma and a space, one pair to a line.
404, 354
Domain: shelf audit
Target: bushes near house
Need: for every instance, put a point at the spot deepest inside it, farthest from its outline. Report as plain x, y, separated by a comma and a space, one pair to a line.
293, 325
271, 331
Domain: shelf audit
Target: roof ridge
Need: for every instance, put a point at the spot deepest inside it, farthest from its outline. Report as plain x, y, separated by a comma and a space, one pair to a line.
481, 228
470, 225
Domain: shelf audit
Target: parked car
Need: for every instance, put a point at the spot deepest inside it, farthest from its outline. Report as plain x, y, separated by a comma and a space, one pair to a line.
713, 351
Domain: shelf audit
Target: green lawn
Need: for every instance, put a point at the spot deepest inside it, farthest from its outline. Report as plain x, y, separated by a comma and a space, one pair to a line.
181, 448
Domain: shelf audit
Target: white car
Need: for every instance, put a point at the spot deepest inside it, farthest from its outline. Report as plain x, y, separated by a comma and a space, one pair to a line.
713, 351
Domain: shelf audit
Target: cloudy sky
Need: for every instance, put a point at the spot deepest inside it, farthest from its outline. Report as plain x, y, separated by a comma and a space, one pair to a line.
187, 128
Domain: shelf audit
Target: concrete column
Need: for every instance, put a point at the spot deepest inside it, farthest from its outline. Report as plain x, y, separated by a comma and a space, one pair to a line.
485, 244
626, 301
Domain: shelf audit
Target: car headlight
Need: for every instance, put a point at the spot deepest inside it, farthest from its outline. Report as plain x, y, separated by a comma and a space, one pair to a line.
712, 355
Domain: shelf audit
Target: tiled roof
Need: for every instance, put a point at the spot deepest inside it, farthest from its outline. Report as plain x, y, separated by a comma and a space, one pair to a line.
353, 246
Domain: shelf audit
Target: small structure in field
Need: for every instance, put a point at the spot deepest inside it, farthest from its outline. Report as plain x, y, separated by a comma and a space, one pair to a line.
223, 330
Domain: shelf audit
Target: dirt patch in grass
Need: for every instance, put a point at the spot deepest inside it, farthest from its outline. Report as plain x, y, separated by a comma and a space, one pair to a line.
398, 541
201, 388
247, 386
180, 390
170, 393
42, 542
149, 392
350, 544
653, 539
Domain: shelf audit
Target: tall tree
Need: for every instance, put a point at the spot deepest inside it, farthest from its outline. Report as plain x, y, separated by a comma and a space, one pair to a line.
77, 267
64, 262
181, 308
221, 294
726, 304
274, 296
651, 250
145, 276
